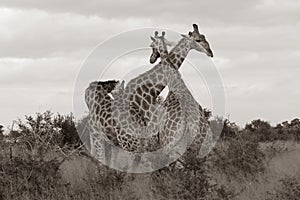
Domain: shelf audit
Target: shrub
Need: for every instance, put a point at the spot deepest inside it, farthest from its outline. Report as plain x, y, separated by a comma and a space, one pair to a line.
189, 181
238, 157
1, 132
26, 172
45, 132
30, 179
289, 190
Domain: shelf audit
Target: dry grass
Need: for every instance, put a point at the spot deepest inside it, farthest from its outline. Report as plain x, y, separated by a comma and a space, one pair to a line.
238, 168
80, 177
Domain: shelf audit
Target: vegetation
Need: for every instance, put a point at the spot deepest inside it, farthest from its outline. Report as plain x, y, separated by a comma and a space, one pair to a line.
26, 171
32, 154
289, 189
1, 132
264, 132
238, 157
190, 181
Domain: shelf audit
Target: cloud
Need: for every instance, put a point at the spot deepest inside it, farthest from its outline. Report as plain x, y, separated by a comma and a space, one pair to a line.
34, 33
256, 47
36, 73
135, 8
257, 12
18, 102
40, 33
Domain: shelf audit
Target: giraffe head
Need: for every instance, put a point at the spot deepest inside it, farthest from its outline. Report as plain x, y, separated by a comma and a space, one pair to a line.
198, 41
194, 40
98, 90
158, 46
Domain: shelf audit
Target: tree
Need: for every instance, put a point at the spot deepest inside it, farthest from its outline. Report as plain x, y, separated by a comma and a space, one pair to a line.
260, 128
67, 127
257, 125
1, 132
295, 123
45, 132
230, 129
223, 127
295, 129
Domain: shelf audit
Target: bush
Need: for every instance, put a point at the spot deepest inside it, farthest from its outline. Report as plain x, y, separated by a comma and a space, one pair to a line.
238, 157
289, 190
260, 129
29, 166
223, 128
67, 127
26, 169
31, 174
108, 183
267, 133
45, 132
1, 132
189, 181
30, 179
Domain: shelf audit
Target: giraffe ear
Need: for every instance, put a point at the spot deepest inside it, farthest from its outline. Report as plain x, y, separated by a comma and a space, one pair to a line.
184, 36
152, 38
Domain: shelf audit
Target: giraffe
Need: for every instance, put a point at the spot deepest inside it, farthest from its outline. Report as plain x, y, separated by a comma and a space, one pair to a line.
181, 102
122, 136
171, 122
194, 40
204, 131
172, 126
133, 136
100, 126
155, 55
99, 102
145, 96
101, 123
145, 88
204, 134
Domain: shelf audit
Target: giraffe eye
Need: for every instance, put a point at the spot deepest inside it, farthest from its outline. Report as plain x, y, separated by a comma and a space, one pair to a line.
198, 40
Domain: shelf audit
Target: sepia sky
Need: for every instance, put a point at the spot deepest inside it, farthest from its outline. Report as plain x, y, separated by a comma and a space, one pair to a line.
256, 47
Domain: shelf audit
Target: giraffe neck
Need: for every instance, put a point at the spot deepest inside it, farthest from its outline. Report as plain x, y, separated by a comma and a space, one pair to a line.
179, 52
163, 50
146, 93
